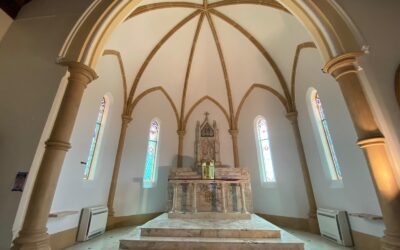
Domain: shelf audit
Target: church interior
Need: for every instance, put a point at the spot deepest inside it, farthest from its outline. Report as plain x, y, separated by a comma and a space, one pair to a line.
200, 124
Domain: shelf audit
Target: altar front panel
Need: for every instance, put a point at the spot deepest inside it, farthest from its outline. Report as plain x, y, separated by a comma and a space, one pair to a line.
209, 196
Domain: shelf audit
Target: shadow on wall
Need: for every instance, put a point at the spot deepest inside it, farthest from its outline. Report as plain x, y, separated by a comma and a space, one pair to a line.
187, 161
145, 202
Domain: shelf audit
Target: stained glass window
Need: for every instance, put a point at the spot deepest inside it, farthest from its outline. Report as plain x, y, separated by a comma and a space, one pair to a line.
95, 140
151, 157
264, 151
334, 170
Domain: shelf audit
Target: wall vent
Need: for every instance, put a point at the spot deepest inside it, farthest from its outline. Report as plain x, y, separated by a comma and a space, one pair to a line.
334, 225
93, 222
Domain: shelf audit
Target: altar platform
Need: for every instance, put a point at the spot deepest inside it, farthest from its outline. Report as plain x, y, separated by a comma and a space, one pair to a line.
176, 234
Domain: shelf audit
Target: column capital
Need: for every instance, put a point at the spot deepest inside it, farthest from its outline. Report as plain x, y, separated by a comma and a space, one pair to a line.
343, 64
292, 116
181, 132
81, 72
233, 132
370, 142
126, 119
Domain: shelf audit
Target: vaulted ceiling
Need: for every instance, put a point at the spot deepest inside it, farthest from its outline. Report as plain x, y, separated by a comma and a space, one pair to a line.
209, 49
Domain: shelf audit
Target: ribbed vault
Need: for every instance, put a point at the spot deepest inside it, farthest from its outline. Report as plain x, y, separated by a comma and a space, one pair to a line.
198, 55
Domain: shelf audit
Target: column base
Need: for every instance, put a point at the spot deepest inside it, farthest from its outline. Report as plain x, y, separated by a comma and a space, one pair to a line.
390, 242
313, 225
38, 240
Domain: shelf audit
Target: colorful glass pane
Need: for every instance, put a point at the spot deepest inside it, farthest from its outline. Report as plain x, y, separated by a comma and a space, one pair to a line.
151, 156
95, 138
327, 136
266, 165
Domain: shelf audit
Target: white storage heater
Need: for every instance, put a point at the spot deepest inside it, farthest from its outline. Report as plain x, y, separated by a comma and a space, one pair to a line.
93, 222
334, 225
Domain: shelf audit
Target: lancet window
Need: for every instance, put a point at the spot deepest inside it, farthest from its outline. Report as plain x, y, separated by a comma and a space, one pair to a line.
150, 170
264, 150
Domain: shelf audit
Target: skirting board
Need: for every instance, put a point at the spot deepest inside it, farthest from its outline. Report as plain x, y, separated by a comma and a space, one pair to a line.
63, 239
288, 222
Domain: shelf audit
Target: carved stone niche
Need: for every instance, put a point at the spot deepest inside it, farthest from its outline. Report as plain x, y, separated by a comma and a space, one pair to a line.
207, 147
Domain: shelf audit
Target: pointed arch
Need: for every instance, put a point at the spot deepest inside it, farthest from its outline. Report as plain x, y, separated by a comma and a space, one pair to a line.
299, 48
281, 98
122, 71
204, 98
149, 91
163, 5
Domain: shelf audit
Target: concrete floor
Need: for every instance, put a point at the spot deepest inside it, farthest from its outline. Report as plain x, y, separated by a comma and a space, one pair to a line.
110, 240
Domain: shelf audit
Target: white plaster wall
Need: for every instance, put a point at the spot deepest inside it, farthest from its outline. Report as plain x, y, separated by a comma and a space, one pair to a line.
73, 192
29, 79
287, 197
130, 197
356, 193
5, 23
226, 148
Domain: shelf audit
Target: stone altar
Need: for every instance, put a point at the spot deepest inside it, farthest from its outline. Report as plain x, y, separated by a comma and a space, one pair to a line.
207, 189
228, 196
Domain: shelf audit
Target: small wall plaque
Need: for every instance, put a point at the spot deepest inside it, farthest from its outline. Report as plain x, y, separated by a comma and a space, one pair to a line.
19, 182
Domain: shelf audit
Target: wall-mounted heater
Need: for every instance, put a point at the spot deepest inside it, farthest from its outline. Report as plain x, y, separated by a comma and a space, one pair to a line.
334, 225
93, 222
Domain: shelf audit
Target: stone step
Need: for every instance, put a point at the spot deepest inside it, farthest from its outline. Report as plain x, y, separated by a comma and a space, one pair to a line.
196, 243
210, 233
255, 227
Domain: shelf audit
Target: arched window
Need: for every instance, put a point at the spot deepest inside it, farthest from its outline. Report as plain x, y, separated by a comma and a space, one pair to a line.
264, 150
325, 136
150, 170
96, 139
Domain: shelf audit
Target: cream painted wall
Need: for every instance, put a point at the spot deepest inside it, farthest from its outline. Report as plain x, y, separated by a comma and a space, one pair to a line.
29, 79
287, 197
130, 197
73, 192
5, 23
356, 193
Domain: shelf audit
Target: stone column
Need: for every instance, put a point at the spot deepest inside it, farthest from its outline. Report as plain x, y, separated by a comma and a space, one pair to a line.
234, 134
346, 71
126, 119
312, 215
194, 197
33, 234
224, 205
243, 196
181, 136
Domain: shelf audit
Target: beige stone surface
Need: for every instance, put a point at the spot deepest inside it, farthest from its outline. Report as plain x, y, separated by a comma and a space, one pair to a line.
165, 233
256, 227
